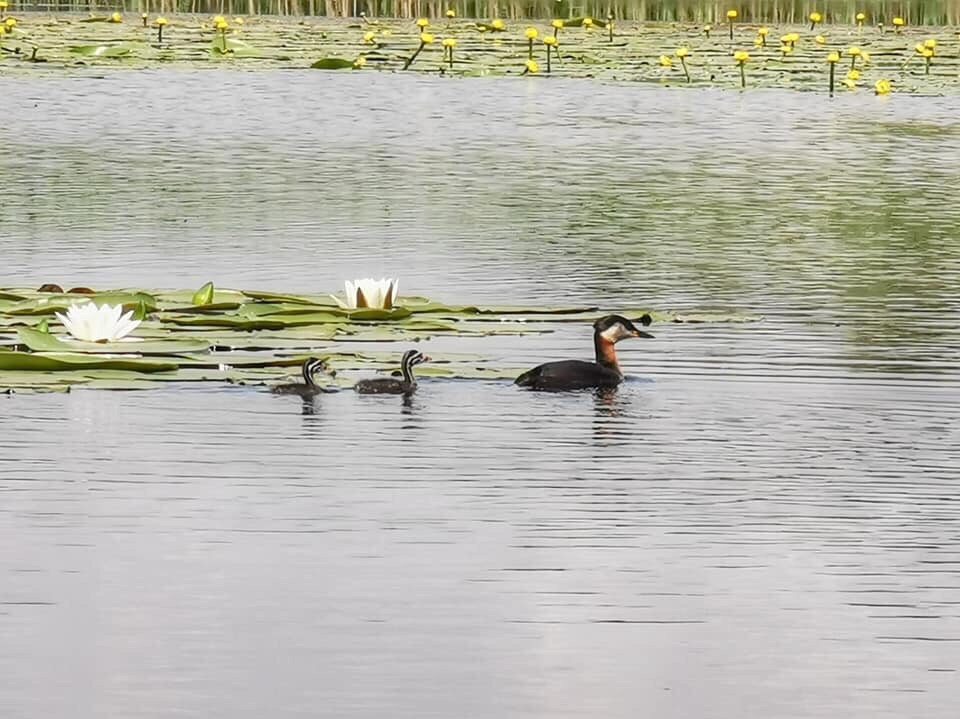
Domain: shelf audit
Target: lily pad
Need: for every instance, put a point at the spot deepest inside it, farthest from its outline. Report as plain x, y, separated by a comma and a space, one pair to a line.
332, 63
102, 50
43, 342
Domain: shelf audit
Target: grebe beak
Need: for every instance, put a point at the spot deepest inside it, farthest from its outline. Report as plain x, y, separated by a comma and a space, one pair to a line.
424, 358
641, 333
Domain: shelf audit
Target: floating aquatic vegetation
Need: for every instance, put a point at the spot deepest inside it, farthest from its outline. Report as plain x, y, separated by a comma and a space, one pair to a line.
246, 336
499, 48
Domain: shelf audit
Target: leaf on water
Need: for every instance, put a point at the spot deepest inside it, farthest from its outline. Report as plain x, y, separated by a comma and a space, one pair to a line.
59, 361
102, 50
203, 296
332, 63
43, 342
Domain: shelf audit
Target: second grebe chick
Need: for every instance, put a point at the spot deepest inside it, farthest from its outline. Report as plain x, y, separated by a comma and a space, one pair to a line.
390, 385
312, 366
577, 374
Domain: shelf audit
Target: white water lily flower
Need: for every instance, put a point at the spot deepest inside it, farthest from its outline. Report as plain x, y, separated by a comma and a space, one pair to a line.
367, 292
92, 323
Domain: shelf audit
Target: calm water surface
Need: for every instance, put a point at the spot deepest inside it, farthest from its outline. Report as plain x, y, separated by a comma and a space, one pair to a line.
767, 528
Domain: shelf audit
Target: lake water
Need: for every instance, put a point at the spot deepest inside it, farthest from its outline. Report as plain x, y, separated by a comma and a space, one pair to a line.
762, 522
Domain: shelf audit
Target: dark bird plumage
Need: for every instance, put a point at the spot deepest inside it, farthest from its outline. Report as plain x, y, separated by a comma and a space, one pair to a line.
390, 385
312, 366
578, 374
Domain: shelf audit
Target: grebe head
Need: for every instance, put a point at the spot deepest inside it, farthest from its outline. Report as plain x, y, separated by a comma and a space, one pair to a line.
412, 358
614, 328
314, 366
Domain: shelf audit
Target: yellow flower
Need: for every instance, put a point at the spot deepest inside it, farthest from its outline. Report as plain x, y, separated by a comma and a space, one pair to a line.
422, 22
758, 41
531, 33
820, 40
238, 21
449, 42
588, 22
219, 19
557, 24
741, 56
930, 43
853, 75
3, 4
849, 83
360, 61
161, 21
861, 17
853, 51
882, 87
865, 56
532, 66
497, 24
11, 22
732, 14
666, 61
426, 38
707, 28
763, 31
451, 13
368, 37
681, 52
794, 37
833, 57
116, 17
899, 21
786, 49
815, 17
550, 40
927, 52
919, 47
221, 25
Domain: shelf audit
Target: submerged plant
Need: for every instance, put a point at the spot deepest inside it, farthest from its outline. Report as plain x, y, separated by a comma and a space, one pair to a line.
551, 42
815, 18
425, 39
161, 23
731, 16
532, 34
741, 57
369, 293
832, 59
448, 44
91, 323
854, 53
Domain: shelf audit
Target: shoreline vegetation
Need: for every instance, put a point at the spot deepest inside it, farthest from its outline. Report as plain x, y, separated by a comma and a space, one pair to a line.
841, 56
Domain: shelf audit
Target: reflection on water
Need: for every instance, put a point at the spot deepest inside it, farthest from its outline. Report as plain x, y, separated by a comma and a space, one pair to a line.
761, 521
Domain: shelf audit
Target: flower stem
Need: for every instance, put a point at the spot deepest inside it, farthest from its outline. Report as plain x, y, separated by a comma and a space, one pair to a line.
731, 30
832, 67
159, 34
413, 57
686, 72
530, 49
743, 76
548, 59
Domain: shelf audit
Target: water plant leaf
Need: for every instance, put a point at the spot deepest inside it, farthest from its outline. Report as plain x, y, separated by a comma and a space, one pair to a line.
43, 342
332, 63
203, 296
58, 361
102, 50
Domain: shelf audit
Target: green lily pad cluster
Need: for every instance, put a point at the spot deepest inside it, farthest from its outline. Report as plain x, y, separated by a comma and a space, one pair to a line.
672, 53
250, 337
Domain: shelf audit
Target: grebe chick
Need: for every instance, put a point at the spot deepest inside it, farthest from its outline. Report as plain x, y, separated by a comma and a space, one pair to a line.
390, 385
577, 374
312, 366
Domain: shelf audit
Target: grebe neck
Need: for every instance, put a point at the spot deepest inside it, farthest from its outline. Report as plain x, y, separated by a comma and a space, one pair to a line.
605, 352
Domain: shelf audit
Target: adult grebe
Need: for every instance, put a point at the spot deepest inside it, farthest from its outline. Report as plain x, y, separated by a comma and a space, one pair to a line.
577, 374
312, 366
389, 385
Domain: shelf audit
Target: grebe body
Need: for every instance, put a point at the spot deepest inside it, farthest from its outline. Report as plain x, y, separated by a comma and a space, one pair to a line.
391, 385
312, 366
578, 374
